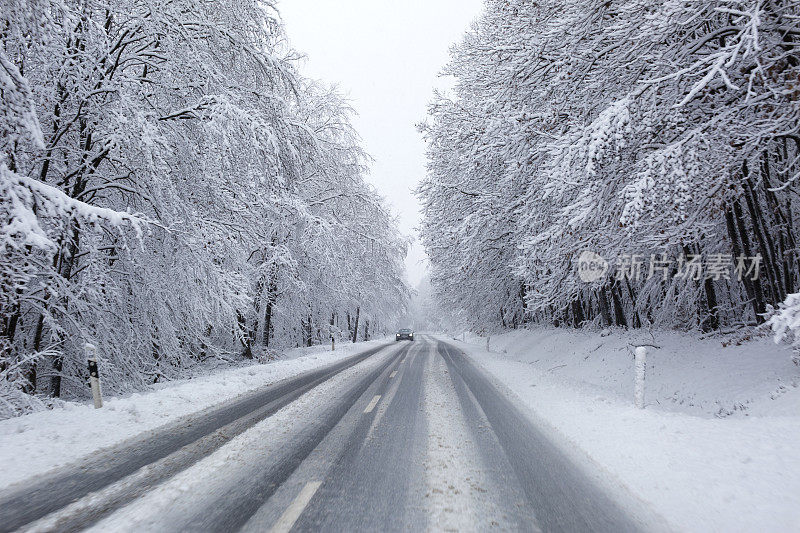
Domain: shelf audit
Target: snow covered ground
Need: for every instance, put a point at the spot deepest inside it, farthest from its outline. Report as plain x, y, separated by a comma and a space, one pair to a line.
715, 449
53, 438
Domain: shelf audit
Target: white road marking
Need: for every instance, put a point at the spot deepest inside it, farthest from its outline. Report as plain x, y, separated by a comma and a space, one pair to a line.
372, 404
295, 509
393, 374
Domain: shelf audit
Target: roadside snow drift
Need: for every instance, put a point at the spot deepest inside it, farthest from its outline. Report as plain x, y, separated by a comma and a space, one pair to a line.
715, 448
54, 438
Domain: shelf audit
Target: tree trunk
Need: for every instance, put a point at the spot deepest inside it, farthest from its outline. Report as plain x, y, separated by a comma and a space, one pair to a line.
577, 313
307, 326
355, 326
786, 241
247, 336
765, 243
619, 314
272, 290
637, 321
748, 252
605, 312
712, 320
737, 252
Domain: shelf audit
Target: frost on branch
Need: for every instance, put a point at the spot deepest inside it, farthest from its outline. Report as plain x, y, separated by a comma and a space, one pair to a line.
663, 186
17, 113
785, 322
31, 213
606, 134
32, 217
581, 152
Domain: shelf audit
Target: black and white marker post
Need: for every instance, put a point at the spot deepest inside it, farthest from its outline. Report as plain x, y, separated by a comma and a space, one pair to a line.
94, 375
640, 363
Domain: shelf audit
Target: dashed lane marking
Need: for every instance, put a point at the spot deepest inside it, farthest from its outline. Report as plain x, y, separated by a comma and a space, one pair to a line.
295, 509
372, 404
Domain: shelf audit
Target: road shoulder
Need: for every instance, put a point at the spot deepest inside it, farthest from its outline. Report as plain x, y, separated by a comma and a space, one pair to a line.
700, 473
48, 440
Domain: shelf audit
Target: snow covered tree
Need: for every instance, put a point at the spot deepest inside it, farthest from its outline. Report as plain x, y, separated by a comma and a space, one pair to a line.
634, 129
252, 221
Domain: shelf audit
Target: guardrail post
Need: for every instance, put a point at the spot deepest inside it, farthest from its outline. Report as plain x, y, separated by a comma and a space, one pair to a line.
94, 375
640, 363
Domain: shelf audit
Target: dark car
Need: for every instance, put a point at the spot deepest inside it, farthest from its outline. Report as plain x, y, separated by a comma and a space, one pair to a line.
404, 335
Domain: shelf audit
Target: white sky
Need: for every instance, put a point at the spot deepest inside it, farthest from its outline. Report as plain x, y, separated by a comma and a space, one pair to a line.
385, 55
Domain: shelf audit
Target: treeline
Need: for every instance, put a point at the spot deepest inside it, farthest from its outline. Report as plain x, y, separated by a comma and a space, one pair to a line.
661, 136
174, 190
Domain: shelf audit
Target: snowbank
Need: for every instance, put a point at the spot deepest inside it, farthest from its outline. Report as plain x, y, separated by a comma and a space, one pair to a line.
49, 439
715, 449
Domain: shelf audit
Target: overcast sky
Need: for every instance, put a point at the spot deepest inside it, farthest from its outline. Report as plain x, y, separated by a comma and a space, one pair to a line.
385, 55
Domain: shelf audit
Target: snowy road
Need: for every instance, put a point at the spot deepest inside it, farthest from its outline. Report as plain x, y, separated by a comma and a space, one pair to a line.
411, 436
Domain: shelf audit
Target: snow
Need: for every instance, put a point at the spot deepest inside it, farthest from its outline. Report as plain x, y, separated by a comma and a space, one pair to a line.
785, 322
18, 102
457, 484
715, 449
54, 438
606, 133
29, 200
228, 471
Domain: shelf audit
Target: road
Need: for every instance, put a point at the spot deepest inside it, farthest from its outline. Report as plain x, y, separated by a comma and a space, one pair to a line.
410, 436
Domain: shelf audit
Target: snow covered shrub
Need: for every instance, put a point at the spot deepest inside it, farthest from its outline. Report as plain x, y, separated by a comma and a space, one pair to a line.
785, 323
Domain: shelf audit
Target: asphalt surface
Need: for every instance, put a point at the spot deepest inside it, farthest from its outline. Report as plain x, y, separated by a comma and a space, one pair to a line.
411, 436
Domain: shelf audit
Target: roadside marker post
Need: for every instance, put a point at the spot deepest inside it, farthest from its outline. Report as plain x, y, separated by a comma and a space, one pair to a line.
640, 362
333, 344
94, 375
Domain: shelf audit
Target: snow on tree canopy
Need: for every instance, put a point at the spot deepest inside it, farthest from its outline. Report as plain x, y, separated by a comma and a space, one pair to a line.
248, 178
26, 201
785, 322
648, 133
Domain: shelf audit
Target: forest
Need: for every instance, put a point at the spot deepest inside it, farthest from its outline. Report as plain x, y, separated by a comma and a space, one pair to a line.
660, 138
175, 192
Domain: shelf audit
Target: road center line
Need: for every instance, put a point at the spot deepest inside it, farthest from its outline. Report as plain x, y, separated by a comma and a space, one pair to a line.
372, 404
295, 509
393, 374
